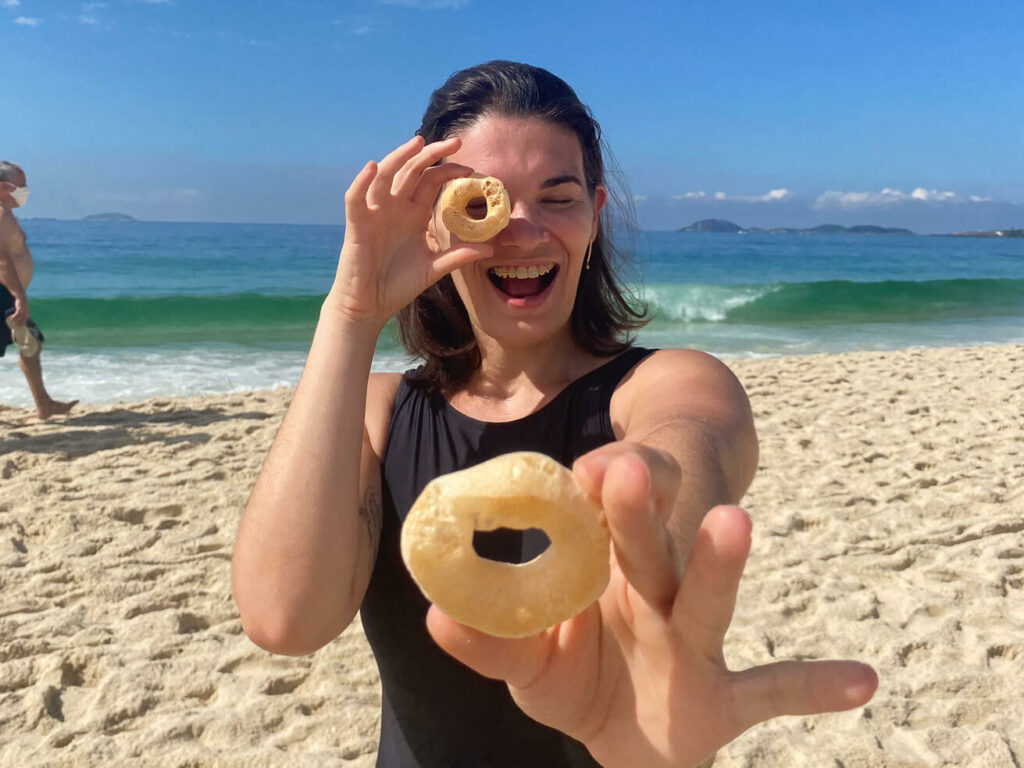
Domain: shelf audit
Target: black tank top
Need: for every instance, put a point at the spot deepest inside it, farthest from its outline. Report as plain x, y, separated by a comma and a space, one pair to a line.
435, 711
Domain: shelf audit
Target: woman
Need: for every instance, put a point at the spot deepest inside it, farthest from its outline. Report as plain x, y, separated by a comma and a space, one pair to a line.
542, 363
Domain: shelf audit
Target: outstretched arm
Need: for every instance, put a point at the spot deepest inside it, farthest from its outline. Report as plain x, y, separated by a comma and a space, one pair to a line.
640, 677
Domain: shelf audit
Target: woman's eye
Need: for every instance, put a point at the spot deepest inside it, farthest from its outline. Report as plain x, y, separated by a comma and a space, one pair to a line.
558, 201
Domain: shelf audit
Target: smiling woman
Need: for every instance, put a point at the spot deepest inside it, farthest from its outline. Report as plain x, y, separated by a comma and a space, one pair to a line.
527, 103
526, 343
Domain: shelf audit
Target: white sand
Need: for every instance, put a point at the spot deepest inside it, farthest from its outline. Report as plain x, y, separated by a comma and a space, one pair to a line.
888, 527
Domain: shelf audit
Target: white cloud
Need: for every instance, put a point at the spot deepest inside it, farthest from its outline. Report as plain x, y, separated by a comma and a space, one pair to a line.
931, 195
427, 5
887, 197
88, 7
979, 199
772, 196
27, 21
639, 198
10, 3
88, 20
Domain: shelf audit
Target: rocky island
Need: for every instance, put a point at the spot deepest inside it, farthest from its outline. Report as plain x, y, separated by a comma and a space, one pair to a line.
108, 217
720, 225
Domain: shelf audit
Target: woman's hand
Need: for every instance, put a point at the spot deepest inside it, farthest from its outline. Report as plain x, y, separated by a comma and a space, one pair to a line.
387, 258
640, 677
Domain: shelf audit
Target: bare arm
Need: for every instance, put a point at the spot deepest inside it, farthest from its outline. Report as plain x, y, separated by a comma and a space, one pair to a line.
691, 408
640, 676
308, 538
304, 553
687, 417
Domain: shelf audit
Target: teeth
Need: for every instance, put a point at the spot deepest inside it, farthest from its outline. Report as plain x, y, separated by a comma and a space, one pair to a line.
521, 273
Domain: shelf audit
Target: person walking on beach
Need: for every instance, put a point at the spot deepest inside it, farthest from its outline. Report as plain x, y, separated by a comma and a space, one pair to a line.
663, 439
15, 274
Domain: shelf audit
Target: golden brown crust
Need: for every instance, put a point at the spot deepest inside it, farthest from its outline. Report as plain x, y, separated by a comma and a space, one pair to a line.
517, 490
457, 195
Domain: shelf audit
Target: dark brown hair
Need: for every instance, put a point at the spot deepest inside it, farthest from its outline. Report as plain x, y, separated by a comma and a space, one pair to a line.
436, 326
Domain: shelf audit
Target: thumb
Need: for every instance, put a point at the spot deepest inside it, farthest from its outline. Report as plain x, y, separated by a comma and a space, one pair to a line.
801, 688
459, 256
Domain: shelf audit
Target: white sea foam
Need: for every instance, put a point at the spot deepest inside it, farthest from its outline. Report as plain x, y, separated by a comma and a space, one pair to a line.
134, 374
694, 303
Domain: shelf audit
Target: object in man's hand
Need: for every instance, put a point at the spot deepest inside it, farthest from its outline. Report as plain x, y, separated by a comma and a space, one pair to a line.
519, 491
461, 193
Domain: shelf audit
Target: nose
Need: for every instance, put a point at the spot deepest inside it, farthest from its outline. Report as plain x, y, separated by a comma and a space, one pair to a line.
525, 228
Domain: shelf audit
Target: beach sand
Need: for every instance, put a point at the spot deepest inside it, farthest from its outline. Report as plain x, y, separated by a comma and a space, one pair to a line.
888, 527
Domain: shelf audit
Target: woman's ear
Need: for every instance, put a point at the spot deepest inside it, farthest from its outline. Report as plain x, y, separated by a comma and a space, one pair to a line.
600, 198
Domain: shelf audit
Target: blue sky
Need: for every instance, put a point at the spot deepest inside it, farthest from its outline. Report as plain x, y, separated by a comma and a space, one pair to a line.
787, 113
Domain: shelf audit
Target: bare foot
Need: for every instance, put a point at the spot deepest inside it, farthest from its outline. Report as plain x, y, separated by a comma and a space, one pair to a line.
53, 408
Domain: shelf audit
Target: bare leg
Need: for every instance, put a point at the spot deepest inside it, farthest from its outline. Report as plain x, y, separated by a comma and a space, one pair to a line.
46, 406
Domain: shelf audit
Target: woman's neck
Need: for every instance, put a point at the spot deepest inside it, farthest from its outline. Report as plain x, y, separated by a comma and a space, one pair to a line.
512, 382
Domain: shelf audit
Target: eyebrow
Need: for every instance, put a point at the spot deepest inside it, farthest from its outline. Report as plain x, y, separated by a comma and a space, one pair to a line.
558, 180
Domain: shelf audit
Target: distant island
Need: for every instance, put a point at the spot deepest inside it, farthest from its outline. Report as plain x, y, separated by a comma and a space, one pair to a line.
108, 217
989, 233
720, 225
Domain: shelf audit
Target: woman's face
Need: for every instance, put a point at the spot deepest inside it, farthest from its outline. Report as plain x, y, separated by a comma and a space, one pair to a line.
552, 222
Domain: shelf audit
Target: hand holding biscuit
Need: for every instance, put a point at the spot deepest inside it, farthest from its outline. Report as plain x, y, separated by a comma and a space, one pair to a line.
638, 679
387, 258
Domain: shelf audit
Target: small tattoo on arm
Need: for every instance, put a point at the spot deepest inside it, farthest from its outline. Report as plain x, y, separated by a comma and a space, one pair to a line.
372, 514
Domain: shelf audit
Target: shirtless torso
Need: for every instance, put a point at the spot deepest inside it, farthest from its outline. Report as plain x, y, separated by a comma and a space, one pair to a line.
14, 249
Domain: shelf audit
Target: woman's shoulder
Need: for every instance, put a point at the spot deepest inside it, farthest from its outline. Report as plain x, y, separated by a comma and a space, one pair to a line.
679, 361
669, 380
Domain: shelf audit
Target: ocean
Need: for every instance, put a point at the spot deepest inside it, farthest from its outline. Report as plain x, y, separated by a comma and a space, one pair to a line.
133, 310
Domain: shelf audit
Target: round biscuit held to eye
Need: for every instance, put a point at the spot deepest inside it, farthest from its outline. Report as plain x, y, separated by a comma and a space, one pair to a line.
516, 490
457, 195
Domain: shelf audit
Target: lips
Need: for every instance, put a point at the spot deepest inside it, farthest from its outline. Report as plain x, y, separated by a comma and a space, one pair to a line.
521, 281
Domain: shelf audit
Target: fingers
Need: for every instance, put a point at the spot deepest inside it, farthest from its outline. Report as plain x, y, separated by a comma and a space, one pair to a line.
707, 596
517, 661
408, 179
664, 471
432, 179
380, 189
355, 195
643, 546
801, 688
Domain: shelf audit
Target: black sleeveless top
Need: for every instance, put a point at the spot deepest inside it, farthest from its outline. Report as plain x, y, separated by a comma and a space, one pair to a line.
435, 710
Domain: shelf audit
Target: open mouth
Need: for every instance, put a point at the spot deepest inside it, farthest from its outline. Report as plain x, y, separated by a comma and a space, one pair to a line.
520, 282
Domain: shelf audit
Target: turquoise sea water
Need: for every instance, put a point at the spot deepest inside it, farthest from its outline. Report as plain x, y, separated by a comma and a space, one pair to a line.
138, 309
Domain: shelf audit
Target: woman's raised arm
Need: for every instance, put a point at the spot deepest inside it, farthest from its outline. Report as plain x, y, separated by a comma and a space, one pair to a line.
308, 537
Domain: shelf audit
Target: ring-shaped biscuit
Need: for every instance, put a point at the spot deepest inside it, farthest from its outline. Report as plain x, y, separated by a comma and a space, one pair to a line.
516, 490
460, 192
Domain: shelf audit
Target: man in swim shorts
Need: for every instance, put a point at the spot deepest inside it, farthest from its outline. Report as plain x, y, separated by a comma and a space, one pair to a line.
15, 274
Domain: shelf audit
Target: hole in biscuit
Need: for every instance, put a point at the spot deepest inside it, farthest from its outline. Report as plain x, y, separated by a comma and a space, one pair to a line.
477, 208
510, 545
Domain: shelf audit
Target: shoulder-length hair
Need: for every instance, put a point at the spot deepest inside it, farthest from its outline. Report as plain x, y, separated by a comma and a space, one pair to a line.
605, 316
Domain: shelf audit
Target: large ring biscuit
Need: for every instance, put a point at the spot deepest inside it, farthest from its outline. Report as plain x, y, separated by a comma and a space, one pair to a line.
517, 490
460, 192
